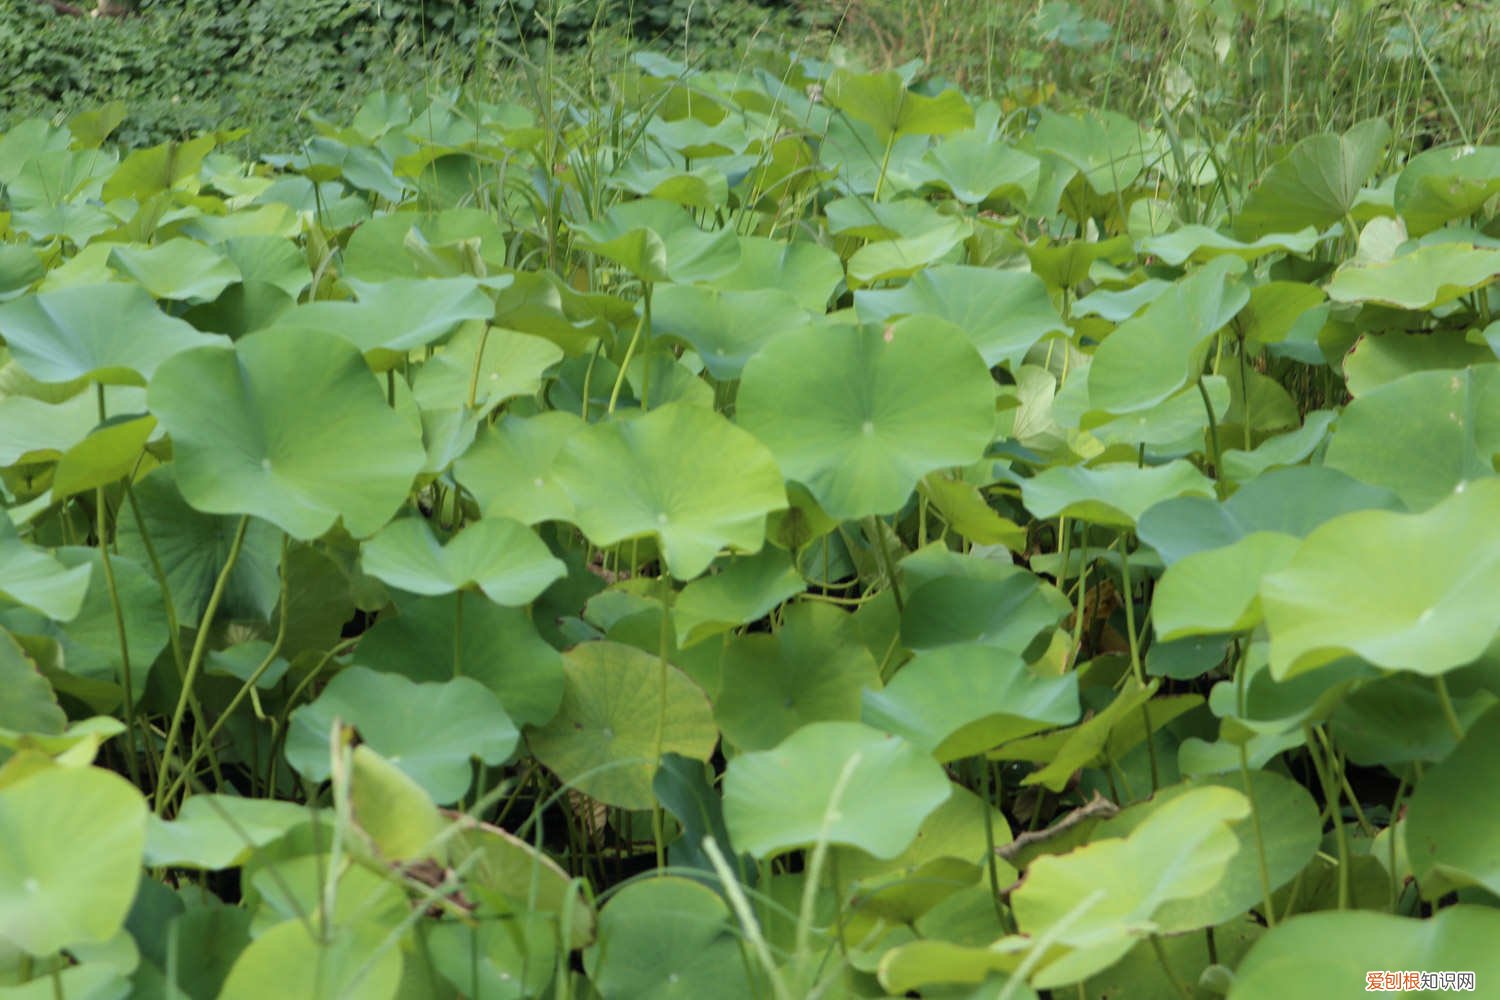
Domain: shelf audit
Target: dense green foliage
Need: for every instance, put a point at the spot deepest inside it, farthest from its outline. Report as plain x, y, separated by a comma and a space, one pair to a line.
779, 531
183, 68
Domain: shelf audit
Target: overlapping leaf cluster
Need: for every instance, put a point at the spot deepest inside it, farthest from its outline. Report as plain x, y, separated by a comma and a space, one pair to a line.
787, 534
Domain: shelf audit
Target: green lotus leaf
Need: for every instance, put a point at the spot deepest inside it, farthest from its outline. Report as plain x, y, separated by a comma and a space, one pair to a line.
509, 957
106, 456
1151, 356
1439, 185
20, 268
391, 246
112, 334
1218, 590
1200, 243
883, 260
395, 316
975, 169
1004, 313
493, 363
1068, 263
1291, 501
746, 589
429, 731
503, 558
683, 788
1418, 601
700, 187
620, 708
541, 303
958, 701
967, 512
1107, 149
1005, 608
658, 241
1423, 279
1097, 900
1423, 435
515, 878
1281, 450
1379, 360
1117, 494
859, 414
1179, 418
34, 577
836, 783
192, 547
34, 430
509, 469
724, 327
883, 102
1288, 828
1316, 184
90, 640
289, 426
1116, 305
213, 832
666, 938
1395, 719
927, 962
496, 646
1275, 309
270, 260
243, 661
27, 702
1317, 955
1106, 735
946, 855
180, 269
168, 166
394, 812
806, 271
73, 842
294, 959
864, 219
681, 473
1450, 831
811, 669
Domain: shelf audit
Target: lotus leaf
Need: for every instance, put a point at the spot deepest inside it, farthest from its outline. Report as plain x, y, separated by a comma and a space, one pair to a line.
681, 473
622, 707
1417, 601
859, 414
832, 782
430, 731
289, 426
501, 557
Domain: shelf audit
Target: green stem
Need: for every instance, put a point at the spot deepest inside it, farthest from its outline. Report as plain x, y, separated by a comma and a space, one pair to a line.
1446, 700
1333, 795
1136, 667
174, 628
986, 793
200, 649
658, 821
1213, 436
132, 763
886, 562
635, 338
1264, 867
1166, 967
205, 744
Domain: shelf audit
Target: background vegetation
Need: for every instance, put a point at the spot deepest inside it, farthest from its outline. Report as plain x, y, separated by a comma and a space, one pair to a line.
1278, 69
